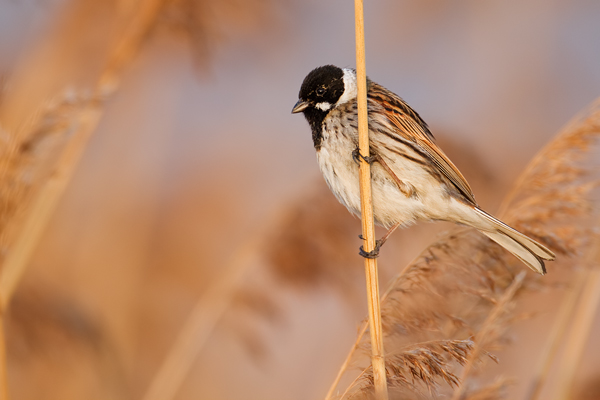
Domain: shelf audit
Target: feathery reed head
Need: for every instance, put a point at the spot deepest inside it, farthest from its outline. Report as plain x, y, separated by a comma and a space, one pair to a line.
465, 286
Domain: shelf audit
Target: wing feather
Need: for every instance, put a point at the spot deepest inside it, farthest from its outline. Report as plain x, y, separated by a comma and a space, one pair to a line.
411, 127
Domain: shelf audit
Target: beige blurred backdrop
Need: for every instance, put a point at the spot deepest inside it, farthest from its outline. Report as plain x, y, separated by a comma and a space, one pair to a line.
197, 156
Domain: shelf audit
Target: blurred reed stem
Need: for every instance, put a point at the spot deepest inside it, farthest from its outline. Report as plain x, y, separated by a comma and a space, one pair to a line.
486, 330
560, 159
47, 196
44, 204
346, 363
583, 319
3, 366
361, 333
555, 339
30, 226
198, 328
366, 200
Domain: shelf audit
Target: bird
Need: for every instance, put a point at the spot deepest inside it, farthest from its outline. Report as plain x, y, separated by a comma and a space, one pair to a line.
411, 178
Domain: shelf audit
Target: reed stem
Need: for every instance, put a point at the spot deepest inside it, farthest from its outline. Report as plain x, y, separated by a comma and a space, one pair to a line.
581, 326
366, 200
363, 329
3, 366
485, 331
555, 339
47, 197
32, 224
198, 328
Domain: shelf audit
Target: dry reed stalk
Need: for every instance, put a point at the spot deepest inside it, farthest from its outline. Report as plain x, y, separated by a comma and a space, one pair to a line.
279, 246
366, 202
295, 229
494, 391
198, 327
22, 160
451, 290
137, 18
426, 362
417, 318
556, 336
483, 336
10, 190
445, 295
3, 365
44, 203
361, 333
311, 244
581, 326
24, 230
48, 193
346, 363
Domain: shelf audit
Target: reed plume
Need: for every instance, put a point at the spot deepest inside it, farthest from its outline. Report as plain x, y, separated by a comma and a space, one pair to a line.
57, 97
452, 307
463, 286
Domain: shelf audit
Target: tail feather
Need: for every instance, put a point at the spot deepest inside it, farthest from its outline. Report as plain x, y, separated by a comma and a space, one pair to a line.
524, 248
518, 250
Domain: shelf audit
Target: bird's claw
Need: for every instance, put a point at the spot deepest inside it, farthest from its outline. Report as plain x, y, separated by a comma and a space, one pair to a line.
356, 156
373, 253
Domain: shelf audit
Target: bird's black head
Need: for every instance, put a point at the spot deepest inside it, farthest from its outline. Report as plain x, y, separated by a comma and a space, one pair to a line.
323, 89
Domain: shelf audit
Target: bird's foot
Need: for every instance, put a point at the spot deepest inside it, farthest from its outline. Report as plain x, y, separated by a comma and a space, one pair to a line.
356, 156
373, 253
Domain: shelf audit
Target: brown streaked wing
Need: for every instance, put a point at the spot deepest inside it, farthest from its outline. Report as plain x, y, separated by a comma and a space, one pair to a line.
411, 127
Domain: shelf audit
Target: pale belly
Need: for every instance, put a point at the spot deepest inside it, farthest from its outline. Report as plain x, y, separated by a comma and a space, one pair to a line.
429, 202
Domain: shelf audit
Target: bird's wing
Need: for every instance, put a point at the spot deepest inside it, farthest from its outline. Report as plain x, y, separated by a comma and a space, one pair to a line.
410, 127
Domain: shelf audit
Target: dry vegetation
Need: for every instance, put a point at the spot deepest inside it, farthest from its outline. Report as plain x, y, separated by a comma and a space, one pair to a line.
463, 286
446, 315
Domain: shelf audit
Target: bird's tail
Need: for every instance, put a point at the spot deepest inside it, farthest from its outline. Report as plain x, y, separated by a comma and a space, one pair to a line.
525, 249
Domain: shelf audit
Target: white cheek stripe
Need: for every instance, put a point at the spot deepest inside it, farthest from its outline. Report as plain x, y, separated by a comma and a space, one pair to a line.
349, 87
324, 106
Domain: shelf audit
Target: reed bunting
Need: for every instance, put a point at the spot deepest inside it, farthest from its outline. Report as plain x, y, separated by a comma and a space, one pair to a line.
412, 179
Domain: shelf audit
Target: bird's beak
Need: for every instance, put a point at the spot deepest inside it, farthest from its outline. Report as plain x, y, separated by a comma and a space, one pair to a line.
299, 106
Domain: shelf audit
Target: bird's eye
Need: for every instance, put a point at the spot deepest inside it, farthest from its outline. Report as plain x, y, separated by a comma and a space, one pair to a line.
320, 91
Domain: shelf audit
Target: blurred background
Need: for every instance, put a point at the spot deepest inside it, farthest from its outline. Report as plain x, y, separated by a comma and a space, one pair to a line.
198, 185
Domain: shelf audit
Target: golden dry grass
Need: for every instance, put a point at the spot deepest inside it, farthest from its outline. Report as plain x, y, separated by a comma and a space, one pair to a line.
55, 103
445, 316
463, 285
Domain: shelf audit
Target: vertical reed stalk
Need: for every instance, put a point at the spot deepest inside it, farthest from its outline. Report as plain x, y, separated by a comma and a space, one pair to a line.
43, 206
581, 325
555, 339
198, 327
46, 197
361, 333
49, 193
346, 363
485, 331
366, 200
3, 369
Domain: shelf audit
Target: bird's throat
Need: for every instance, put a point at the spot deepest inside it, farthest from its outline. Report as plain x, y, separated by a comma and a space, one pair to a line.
315, 118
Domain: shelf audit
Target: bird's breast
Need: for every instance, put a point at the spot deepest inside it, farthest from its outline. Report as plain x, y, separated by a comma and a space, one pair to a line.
339, 169
341, 172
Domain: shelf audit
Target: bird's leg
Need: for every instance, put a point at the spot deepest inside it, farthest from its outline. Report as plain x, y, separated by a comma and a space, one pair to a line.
388, 233
406, 189
378, 243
